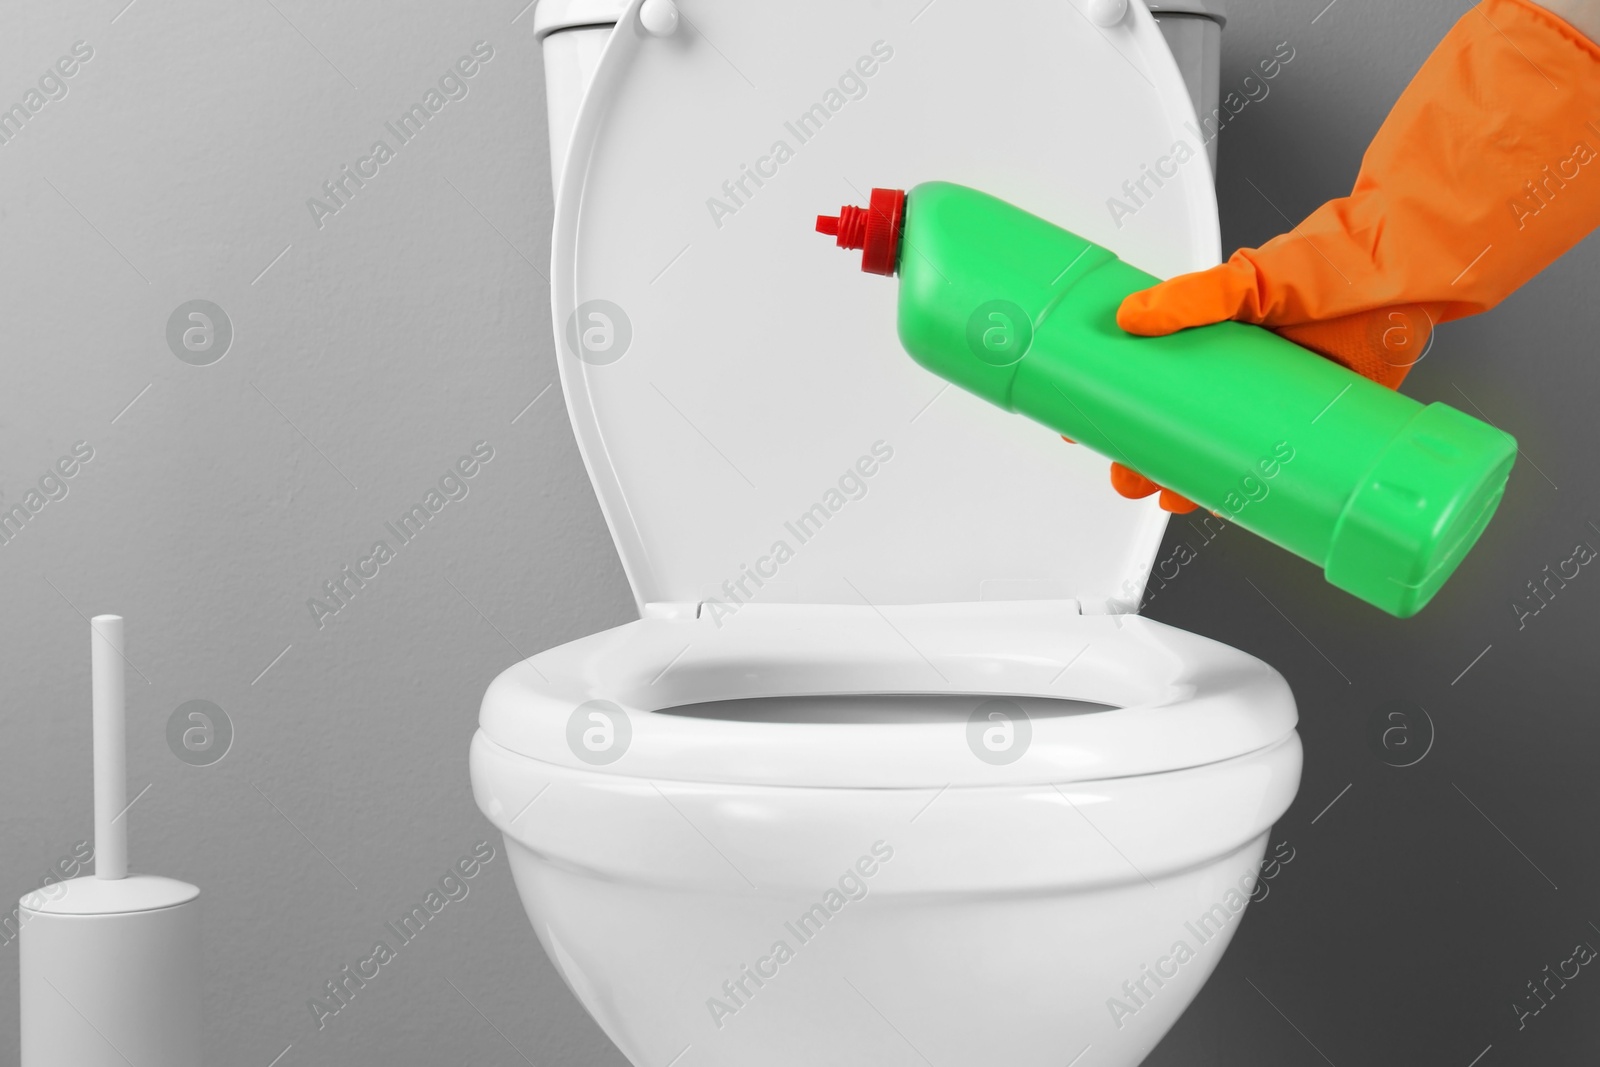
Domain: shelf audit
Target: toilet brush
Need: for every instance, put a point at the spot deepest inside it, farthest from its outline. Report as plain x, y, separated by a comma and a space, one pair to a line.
110, 962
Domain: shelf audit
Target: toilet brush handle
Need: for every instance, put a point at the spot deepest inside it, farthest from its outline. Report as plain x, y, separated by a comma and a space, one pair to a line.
110, 746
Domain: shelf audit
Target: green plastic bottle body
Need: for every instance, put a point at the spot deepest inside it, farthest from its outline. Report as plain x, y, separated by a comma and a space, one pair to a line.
1385, 494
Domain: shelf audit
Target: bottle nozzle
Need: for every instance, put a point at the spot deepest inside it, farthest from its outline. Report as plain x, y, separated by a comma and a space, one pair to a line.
875, 229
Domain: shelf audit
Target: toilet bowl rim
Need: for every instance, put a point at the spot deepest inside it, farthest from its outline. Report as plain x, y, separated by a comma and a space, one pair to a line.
1176, 699
624, 828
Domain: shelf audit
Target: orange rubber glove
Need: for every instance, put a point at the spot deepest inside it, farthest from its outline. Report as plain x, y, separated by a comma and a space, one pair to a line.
1484, 173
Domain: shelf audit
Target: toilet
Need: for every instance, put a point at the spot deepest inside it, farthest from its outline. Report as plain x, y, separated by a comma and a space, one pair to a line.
889, 770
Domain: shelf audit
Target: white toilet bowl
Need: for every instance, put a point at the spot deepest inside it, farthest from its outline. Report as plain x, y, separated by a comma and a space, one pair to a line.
1017, 809
888, 771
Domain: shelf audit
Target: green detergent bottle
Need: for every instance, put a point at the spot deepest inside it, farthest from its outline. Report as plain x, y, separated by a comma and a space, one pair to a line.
1386, 495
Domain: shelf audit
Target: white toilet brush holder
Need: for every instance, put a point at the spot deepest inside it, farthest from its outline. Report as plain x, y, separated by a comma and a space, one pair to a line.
110, 963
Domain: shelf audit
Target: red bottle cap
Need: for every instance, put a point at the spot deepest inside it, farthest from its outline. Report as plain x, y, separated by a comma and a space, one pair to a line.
875, 229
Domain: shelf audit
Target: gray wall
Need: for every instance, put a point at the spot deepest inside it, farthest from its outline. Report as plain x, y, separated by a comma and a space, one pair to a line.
1409, 922
412, 324
364, 362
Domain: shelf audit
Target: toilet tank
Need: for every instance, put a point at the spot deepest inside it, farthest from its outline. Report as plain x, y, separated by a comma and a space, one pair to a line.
573, 33
1193, 29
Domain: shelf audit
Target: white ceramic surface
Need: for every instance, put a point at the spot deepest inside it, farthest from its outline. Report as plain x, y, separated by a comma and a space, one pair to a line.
1001, 929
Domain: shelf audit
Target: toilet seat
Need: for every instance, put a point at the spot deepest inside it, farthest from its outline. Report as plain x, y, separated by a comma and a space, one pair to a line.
1176, 700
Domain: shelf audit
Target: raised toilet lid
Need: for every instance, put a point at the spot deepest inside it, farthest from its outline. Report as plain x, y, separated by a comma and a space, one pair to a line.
735, 382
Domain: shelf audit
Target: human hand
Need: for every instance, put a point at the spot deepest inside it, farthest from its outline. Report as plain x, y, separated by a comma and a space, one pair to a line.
1474, 183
